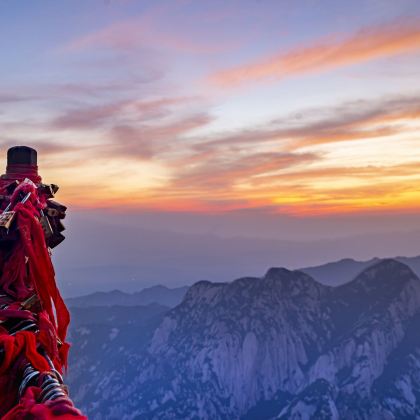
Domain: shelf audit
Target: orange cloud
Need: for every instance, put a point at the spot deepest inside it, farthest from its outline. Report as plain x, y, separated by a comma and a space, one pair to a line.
158, 163
372, 172
368, 44
221, 173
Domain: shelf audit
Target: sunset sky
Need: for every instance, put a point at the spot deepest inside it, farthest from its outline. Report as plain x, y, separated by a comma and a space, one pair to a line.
291, 108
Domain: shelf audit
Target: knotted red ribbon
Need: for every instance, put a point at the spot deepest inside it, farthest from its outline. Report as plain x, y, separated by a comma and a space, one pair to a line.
25, 269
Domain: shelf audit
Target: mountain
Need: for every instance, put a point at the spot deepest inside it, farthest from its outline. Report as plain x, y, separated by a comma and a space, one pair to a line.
315, 401
106, 341
161, 295
345, 270
280, 346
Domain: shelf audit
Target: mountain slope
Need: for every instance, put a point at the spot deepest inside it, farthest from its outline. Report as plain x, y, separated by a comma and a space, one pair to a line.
107, 342
238, 338
278, 346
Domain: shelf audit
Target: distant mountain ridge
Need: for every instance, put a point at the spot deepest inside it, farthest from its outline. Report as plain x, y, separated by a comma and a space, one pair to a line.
280, 346
161, 295
342, 271
333, 273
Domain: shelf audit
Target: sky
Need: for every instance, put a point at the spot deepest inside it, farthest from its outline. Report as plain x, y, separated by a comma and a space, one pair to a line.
269, 119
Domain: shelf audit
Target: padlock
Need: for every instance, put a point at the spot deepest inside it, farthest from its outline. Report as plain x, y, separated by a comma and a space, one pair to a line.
6, 220
57, 208
8, 216
45, 190
46, 225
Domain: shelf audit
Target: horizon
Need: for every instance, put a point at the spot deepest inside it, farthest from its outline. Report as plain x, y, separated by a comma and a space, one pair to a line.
187, 286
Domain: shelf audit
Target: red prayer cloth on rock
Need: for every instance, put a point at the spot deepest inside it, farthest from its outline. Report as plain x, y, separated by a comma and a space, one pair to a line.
26, 270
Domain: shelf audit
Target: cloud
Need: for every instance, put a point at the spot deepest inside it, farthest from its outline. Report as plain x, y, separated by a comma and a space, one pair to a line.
386, 40
75, 92
351, 121
8, 98
119, 36
269, 166
147, 141
132, 140
87, 118
266, 164
114, 131
225, 172
253, 166
114, 113
89, 89
150, 30
372, 173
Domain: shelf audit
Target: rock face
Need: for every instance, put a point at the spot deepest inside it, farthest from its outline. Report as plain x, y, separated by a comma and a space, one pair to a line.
281, 346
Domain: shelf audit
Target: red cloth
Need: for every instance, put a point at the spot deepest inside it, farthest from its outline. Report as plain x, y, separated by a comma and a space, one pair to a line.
23, 343
25, 269
29, 409
20, 280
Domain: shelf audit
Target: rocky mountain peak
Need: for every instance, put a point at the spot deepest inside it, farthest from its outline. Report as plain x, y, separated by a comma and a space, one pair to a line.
387, 270
292, 283
202, 292
382, 284
279, 346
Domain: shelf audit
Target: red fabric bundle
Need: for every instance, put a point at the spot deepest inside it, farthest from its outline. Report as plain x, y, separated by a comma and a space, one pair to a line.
29, 409
26, 268
23, 343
